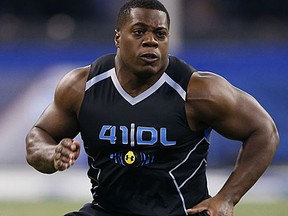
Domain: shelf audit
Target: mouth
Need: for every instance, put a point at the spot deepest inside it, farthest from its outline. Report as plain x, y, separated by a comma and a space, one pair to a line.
149, 57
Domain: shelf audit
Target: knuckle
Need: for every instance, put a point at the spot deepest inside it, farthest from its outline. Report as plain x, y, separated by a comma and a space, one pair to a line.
66, 141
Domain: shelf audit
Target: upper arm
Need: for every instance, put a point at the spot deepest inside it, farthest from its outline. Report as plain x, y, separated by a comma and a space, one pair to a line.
60, 118
214, 102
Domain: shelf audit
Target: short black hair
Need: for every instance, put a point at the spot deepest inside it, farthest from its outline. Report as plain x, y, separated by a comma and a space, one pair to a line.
125, 10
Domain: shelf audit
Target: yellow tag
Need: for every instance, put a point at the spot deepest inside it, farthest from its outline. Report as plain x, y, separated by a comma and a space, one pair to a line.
130, 157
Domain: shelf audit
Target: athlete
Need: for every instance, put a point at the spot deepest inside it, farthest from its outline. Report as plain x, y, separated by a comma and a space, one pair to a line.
145, 118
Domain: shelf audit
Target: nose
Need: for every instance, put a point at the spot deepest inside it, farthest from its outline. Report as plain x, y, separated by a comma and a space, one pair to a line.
149, 40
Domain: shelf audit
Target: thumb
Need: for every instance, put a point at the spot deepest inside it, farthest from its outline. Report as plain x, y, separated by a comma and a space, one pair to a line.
75, 147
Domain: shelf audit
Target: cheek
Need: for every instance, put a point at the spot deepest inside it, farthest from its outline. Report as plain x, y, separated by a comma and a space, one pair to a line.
129, 52
128, 47
164, 47
164, 51
129, 42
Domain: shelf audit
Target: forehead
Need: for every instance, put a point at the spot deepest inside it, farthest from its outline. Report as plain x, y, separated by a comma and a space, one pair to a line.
149, 17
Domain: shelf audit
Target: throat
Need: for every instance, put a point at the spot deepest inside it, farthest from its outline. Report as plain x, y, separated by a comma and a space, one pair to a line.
134, 91
136, 85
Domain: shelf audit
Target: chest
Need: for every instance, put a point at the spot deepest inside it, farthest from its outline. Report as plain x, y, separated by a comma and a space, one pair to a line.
110, 119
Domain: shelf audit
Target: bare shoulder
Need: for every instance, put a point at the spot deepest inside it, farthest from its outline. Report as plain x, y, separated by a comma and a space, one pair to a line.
214, 102
208, 86
74, 78
207, 81
209, 96
71, 88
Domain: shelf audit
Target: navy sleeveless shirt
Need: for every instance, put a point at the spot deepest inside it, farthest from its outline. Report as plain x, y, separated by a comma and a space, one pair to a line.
143, 157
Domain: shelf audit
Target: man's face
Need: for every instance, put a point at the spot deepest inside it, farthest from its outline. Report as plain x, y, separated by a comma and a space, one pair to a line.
143, 42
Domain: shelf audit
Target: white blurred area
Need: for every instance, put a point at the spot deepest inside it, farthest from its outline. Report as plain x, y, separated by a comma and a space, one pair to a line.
25, 184
18, 118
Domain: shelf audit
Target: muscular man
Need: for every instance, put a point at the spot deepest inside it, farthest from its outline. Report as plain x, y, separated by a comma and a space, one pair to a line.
145, 118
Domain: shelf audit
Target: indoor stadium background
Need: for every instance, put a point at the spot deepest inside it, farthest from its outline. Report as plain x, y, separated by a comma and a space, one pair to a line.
242, 40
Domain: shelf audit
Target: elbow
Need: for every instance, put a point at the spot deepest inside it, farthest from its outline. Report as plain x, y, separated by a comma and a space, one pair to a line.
275, 138
29, 149
30, 161
38, 155
32, 150
29, 158
271, 138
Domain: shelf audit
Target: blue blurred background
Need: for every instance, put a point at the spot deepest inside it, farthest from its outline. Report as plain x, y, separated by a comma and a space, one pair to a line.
244, 41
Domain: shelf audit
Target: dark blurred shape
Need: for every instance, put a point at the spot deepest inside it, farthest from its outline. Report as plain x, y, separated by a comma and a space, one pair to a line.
236, 20
44, 19
9, 27
94, 20
60, 27
41, 10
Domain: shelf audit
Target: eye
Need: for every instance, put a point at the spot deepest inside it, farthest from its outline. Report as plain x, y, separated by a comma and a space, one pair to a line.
138, 32
161, 34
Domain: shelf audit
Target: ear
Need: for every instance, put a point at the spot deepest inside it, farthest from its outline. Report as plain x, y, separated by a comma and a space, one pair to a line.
117, 38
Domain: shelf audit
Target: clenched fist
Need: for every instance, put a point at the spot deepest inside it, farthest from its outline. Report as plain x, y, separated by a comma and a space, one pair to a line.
66, 153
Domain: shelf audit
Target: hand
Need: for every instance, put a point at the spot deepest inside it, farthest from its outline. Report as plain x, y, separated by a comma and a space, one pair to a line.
213, 207
66, 153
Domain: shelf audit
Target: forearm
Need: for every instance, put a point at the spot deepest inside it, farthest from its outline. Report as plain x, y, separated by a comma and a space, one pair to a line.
254, 158
40, 148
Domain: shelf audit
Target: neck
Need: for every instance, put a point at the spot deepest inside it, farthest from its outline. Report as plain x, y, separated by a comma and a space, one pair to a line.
132, 82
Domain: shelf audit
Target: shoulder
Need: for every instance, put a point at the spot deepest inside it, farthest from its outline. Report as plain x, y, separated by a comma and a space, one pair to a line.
208, 84
74, 79
71, 88
213, 102
209, 97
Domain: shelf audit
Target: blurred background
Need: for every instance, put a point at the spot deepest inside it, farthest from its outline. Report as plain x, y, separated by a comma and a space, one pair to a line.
244, 41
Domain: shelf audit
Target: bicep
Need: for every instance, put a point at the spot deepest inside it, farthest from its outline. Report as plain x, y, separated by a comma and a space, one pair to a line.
239, 116
60, 118
58, 123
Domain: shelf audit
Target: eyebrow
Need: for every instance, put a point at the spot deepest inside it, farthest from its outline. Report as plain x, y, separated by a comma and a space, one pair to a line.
140, 24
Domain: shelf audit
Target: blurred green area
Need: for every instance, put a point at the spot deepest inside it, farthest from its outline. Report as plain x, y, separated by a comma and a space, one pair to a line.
58, 208
43, 208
